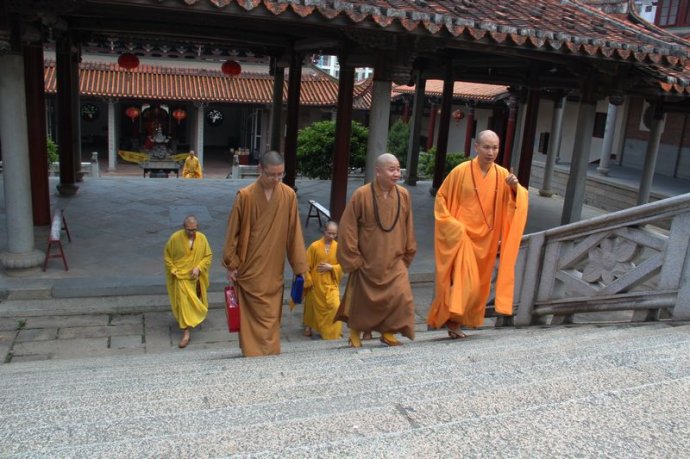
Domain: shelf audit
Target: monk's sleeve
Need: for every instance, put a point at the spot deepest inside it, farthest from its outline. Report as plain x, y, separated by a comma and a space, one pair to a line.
168, 258
297, 256
410, 239
349, 256
231, 259
207, 257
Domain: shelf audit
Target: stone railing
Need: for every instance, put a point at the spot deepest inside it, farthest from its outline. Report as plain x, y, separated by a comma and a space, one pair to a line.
623, 261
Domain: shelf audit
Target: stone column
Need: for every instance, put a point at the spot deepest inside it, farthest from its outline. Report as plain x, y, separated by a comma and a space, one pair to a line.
655, 131
609, 134
554, 144
431, 130
199, 132
528, 135
112, 136
577, 179
417, 118
379, 119
14, 139
67, 132
292, 123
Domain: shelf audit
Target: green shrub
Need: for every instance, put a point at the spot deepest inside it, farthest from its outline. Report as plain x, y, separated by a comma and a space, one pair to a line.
398, 138
427, 162
316, 144
52, 151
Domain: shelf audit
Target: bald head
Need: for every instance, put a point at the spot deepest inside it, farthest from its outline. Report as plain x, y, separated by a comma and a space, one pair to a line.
271, 158
386, 159
486, 135
190, 220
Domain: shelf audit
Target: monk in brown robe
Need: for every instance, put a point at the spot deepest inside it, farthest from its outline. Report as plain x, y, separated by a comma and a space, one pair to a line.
479, 208
376, 245
263, 227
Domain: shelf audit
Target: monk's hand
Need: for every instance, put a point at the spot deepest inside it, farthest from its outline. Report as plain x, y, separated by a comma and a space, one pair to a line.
324, 267
195, 273
232, 275
512, 180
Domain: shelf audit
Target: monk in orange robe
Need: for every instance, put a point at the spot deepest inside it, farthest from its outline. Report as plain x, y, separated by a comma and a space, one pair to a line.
192, 167
376, 244
263, 227
479, 208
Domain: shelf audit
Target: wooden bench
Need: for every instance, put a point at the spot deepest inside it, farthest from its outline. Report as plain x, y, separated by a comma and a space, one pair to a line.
57, 225
248, 171
316, 210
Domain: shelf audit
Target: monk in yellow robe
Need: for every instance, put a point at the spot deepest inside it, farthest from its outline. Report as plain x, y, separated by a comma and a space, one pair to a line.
322, 285
376, 245
187, 257
263, 227
192, 167
479, 208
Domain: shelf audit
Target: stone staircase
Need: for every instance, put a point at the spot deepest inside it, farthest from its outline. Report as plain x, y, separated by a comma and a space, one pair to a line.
608, 390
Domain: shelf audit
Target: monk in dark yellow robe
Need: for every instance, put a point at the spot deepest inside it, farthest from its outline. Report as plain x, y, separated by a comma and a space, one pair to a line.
322, 285
376, 245
187, 257
479, 208
192, 167
263, 227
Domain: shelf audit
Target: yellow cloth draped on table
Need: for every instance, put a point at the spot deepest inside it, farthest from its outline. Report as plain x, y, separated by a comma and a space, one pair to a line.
471, 224
322, 292
139, 157
188, 296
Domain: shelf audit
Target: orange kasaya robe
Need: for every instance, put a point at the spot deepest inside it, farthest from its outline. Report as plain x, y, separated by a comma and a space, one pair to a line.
378, 295
467, 236
188, 297
192, 168
260, 234
322, 291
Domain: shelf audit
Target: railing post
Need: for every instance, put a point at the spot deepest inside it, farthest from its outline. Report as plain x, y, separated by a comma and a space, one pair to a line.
530, 279
676, 268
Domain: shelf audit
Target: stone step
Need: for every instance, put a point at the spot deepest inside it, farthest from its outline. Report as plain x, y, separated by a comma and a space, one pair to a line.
351, 403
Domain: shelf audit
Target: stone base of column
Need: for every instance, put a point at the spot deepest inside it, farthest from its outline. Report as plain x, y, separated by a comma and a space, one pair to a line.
67, 189
546, 193
22, 260
433, 191
603, 170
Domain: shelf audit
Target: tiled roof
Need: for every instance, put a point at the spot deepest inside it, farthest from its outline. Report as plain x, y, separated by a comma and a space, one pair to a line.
556, 26
165, 83
461, 90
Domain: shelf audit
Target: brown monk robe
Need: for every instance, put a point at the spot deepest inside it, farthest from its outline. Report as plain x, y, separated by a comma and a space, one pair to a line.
376, 244
263, 228
479, 207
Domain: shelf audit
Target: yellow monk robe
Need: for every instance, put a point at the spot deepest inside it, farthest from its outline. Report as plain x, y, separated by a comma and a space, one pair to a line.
466, 248
188, 308
378, 295
322, 291
192, 168
260, 234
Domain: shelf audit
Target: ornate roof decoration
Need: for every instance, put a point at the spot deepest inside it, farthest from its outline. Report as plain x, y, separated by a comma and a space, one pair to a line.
461, 90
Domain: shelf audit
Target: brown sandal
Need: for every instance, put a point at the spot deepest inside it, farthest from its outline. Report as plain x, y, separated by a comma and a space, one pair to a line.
185, 341
390, 342
456, 334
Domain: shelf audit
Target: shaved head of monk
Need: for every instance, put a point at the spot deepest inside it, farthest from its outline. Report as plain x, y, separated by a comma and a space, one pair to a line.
272, 169
487, 148
387, 171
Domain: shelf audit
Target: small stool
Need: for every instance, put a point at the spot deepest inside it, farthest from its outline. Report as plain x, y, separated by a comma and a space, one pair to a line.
58, 224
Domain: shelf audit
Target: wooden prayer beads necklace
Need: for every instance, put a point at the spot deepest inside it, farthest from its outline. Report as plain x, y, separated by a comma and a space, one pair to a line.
376, 210
476, 193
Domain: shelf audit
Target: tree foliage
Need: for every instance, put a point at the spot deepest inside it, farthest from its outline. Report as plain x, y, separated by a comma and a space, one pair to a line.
398, 138
316, 145
427, 162
52, 151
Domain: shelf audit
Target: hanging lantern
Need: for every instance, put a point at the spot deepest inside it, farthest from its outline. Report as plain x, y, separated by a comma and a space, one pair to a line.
458, 115
133, 113
179, 114
128, 61
231, 68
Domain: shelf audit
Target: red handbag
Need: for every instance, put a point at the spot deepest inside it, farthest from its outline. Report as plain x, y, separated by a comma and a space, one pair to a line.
232, 309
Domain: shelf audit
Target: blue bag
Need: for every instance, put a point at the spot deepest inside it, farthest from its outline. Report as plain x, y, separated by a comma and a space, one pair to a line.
297, 290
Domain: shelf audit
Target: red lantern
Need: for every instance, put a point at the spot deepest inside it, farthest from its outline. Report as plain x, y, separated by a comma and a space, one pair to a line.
231, 68
128, 61
133, 113
458, 115
179, 114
